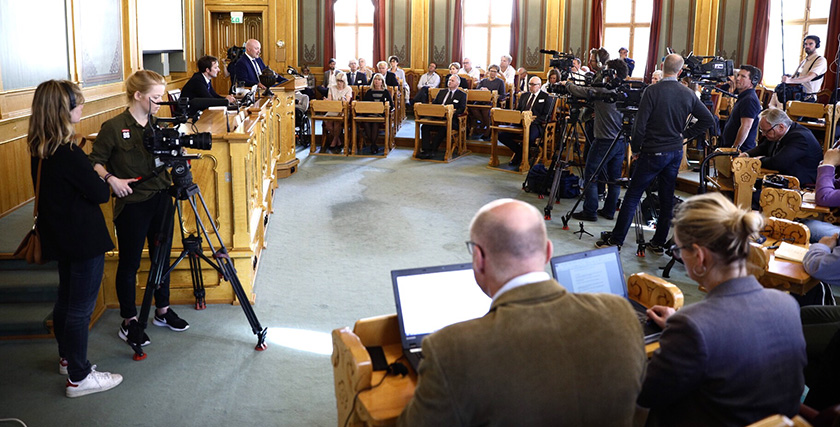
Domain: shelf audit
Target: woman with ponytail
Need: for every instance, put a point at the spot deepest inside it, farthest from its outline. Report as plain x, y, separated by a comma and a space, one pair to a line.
737, 356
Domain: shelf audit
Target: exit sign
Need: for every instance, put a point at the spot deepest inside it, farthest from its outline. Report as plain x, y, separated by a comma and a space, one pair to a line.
236, 17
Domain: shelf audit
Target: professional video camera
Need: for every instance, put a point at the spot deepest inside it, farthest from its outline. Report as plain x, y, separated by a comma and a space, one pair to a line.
701, 69
166, 142
563, 63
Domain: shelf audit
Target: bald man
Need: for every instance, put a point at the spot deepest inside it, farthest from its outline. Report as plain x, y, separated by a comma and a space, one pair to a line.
539, 104
540, 356
249, 66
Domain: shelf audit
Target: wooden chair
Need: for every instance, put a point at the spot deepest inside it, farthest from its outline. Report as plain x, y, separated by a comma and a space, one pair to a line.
359, 91
736, 175
372, 112
328, 111
399, 103
478, 99
764, 95
510, 95
441, 115
513, 121
779, 420
780, 229
470, 81
433, 93
547, 140
797, 110
780, 202
757, 261
649, 290
174, 95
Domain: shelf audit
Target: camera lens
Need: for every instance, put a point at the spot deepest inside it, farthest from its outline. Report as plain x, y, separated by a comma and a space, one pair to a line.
198, 141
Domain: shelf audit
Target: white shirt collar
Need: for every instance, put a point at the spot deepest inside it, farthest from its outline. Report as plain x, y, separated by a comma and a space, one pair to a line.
206, 79
522, 280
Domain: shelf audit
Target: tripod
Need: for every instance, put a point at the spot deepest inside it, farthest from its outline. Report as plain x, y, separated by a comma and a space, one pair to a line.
558, 165
184, 189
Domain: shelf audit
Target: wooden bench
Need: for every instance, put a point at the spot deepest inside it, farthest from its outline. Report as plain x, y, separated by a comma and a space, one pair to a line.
327, 111
372, 112
513, 121
441, 115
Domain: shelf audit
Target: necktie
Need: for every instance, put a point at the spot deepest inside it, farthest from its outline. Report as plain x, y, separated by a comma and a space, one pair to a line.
446, 98
352, 78
531, 99
256, 68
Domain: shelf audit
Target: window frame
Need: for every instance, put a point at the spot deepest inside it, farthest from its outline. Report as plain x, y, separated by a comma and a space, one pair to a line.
806, 22
356, 25
632, 25
490, 26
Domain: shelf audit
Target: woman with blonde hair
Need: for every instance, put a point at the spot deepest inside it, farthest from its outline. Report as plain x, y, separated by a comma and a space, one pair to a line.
119, 157
377, 93
71, 226
737, 356
339, 92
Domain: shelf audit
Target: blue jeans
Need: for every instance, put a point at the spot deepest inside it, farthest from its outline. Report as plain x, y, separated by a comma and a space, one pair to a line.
610, 172
820, 229
78, 287
648, 166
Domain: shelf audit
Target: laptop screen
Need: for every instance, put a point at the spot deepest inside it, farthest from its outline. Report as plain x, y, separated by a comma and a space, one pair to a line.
597, 270
431, 298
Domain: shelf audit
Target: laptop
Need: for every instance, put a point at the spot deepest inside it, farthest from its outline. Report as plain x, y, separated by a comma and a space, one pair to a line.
599, 271
431, 298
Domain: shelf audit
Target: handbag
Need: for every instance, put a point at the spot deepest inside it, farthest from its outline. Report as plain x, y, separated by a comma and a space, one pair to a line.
30, 247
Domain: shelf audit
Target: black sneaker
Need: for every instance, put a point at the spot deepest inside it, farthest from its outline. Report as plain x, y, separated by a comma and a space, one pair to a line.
605, 214
134, 333
606, 241
657, 249
583, 216
171, 320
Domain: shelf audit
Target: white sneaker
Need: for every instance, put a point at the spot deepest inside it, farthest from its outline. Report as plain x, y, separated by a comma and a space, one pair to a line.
62, 366
93, 383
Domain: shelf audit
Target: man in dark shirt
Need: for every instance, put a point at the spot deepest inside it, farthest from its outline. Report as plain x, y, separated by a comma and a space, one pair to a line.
539, 104
450, 96
657, 145
199, 84
482, 115
789, 148
741, 126
631, 64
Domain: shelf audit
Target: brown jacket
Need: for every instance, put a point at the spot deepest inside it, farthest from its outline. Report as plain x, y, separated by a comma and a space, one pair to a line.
540, 356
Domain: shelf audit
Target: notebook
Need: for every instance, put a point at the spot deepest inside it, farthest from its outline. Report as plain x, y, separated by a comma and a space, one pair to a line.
431, 298
600, 271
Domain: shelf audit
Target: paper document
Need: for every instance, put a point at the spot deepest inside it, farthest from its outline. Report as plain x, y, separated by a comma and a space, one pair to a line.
790, 252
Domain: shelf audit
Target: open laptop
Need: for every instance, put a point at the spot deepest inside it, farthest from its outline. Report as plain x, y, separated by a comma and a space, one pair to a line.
600, 271
431, 298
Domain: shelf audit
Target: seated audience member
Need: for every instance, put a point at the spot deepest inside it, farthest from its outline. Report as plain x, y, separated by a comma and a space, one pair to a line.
367, 70
631, 64
454, 69
394, 62
329, 78
377, 93
656, 77
737, 356
789, 147
529, 361
449, 96
470, 71
355, 77
390, 78
809, 73
539, 104
741, 126
828, 195
310, 82
520, 81
199, 86
339, 92
482, 115
553, 77
506, 70
427, 81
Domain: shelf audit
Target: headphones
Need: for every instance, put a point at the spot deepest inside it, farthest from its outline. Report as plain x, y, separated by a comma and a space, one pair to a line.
70, 94
816, 40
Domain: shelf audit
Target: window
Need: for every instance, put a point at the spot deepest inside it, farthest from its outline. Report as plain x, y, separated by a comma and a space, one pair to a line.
29, 56
486, 31
353, 31
802, 17
627, 24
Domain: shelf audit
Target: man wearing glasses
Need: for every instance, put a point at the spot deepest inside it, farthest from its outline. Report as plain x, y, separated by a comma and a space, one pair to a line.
788, 148
538, 103
541, 355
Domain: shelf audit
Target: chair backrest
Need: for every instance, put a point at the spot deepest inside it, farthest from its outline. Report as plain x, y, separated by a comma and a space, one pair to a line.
325, 106
810, 110
433, 93
786, 230
780, 202
470, 81
649, 290
478, 95
500, 115
368, 107
723, 164
757, 260
432, 110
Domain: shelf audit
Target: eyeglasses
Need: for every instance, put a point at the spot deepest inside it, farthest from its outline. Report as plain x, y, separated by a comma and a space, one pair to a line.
676, 251
471, 245
768, 130
533, 84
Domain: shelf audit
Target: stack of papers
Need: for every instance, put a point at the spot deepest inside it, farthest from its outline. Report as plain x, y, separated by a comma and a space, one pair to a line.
790, 252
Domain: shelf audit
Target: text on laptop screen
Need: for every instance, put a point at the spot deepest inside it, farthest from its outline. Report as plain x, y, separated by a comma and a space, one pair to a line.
597, 273
432, 301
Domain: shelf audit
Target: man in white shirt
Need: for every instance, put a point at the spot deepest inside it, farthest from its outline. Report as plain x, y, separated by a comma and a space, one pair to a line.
470, 71
430, 79
809, 73
506, 69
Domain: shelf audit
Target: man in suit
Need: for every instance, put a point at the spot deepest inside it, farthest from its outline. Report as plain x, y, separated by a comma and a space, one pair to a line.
329, 78
248, 68
541, 355
789, 148
538, 103
355, 77
450, 96
198, 86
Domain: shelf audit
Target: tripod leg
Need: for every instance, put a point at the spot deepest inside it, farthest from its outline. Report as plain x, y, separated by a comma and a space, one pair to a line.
640, 232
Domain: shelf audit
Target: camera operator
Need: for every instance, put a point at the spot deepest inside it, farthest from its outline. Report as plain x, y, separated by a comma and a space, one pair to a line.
657, 145
608, 122
809, 73
741, 126
198, 86
118, 156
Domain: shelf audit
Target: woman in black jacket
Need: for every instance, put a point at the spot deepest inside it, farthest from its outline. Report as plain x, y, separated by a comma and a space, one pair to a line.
72, 228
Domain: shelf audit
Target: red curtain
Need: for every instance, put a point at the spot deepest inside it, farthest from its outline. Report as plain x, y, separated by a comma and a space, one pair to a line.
379, 52
329, 31
831, 45
458, 33
760, 31
596, 28
514, 33
653, 44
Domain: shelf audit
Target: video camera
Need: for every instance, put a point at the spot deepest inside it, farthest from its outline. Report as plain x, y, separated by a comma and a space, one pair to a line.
702, 69
563, 63
166, 142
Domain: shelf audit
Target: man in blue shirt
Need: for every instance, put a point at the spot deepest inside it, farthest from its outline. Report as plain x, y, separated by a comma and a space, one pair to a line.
742, 124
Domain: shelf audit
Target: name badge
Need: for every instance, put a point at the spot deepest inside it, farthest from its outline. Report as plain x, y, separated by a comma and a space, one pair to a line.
126, 133
455, 101
541, 100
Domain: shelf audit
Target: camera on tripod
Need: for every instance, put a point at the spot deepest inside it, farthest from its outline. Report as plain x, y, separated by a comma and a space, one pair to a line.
167, 142
563, 63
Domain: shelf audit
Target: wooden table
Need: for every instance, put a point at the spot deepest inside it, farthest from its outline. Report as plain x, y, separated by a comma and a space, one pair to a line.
787, 275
